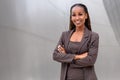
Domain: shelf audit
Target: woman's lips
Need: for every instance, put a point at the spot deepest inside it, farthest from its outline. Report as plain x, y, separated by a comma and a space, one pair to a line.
77, 22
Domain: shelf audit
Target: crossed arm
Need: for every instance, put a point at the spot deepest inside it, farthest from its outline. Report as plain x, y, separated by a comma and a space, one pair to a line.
82, 60
76, 57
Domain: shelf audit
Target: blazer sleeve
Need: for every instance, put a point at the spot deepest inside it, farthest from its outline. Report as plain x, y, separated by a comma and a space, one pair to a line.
92, 53
61, 57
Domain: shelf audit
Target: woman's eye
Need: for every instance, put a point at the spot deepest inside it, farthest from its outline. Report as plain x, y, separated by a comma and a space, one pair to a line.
73, 14
80, 14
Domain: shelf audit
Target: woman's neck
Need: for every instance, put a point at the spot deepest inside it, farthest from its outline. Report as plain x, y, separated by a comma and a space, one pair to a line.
79, 29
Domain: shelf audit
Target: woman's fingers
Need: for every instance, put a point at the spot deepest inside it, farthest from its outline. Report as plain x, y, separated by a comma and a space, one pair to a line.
59, 46
61, 49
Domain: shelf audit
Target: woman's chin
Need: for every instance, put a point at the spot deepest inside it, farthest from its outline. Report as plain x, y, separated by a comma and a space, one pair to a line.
78, 25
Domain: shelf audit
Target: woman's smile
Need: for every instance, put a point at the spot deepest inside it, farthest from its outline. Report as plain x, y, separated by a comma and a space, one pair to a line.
77, 22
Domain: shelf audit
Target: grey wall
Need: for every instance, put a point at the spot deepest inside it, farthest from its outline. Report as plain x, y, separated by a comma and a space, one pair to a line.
30, 29
113, 11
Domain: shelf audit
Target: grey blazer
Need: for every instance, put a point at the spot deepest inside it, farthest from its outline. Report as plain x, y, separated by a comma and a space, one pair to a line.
89, 43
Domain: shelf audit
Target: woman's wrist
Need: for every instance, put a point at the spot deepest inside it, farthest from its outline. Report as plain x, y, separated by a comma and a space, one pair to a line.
81, 56
77, 57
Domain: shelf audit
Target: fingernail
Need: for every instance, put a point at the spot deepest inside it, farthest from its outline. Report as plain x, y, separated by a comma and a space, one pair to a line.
58, 46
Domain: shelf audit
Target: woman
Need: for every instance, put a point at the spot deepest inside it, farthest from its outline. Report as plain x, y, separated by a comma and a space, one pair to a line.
77, 48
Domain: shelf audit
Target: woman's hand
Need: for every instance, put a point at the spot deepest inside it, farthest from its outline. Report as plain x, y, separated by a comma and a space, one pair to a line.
61, 49
81, 56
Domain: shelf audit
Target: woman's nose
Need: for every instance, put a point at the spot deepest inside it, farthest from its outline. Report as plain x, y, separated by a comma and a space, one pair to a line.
77, 17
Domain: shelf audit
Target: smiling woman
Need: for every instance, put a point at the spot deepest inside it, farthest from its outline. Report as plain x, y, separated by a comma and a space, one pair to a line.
29, 30
77, 48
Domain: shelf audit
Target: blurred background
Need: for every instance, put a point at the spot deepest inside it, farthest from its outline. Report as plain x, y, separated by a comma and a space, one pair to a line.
30, 30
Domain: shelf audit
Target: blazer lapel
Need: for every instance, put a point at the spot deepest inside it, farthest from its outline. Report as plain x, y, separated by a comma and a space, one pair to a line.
68, 38
85, 38
83, 41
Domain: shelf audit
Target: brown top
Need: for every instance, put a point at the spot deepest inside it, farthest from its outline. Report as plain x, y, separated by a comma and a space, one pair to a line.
74, 73
73, 47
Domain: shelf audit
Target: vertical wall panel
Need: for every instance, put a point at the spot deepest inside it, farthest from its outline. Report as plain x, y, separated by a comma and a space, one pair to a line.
113, 11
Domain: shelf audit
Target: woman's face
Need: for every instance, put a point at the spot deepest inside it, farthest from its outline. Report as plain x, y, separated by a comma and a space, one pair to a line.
78, 16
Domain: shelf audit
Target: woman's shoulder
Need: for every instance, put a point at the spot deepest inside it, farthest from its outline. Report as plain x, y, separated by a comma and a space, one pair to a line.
66, 32
95, 34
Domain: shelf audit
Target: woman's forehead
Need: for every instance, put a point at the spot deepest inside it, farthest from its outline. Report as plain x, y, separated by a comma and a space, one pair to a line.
78, 9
